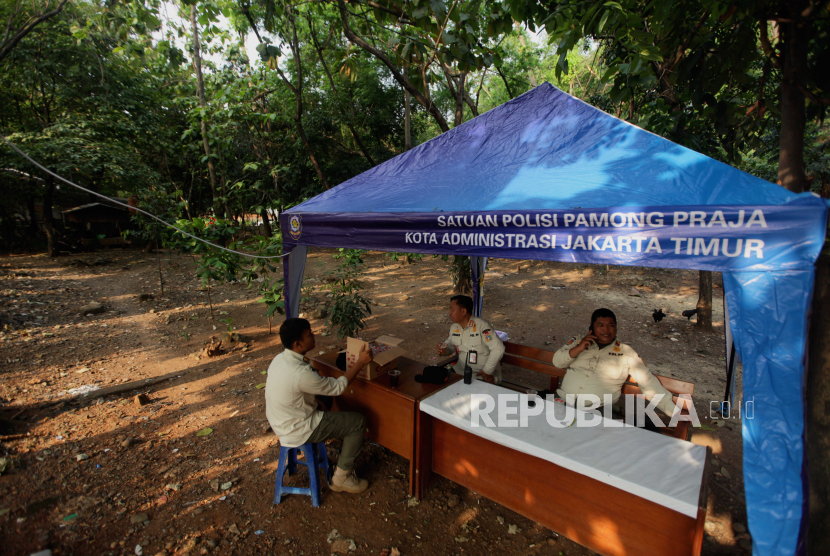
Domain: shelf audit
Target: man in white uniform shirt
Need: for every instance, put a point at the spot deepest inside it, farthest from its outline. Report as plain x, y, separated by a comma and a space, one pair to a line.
295, 414
600, 364
469, 333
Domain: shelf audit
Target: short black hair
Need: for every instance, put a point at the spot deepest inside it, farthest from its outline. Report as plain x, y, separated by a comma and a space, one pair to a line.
463, 301
291, 330
603, 313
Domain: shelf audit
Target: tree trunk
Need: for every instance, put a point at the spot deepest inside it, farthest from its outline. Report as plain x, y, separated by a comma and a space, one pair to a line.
704, 301
463, 278
407, 123
793, 118
361, 146
298, 97
200, 83
48, 226
795, 37
817, 419
266, 223
459, 99
30, 208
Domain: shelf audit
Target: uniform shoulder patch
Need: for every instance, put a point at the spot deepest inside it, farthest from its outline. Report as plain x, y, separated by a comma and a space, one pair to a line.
306, 360
488, 335
572, 341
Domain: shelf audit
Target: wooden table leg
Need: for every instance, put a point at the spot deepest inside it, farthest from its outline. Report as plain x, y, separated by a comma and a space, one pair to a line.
423, 453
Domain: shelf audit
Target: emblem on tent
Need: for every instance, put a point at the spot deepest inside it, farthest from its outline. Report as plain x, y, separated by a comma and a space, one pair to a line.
295, 226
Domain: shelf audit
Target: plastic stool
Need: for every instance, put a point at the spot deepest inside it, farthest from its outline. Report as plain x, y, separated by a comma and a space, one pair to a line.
315, 458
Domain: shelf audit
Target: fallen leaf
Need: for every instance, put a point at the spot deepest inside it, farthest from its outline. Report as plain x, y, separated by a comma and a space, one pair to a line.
204, 432
260, 386
512, 529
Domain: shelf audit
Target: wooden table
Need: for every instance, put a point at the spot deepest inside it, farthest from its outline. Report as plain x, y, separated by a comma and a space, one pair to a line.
391, 413
602, 515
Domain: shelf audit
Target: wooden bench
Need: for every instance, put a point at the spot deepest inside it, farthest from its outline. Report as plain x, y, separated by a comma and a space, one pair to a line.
540, 360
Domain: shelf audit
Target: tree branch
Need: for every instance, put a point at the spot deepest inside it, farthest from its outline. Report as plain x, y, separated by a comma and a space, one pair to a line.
319, 50
430, 107
26, 29
811, 96
766, 46
400, 14
264, 94
503, 78
246, 9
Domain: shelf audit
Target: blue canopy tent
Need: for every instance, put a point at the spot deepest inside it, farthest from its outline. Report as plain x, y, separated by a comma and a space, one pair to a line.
548, 177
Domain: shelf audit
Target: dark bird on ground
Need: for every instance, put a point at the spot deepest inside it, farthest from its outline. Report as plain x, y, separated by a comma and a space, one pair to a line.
689, 313
658, 315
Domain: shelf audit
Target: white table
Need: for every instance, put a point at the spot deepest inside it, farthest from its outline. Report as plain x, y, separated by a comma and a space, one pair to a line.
628, 490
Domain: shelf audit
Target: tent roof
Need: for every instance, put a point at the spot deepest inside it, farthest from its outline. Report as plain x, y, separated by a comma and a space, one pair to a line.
545, 150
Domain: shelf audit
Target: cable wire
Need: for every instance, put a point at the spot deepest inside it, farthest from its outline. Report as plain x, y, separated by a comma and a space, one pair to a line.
27, 157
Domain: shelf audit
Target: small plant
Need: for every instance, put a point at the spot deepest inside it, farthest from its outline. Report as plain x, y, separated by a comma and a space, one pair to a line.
213, 264
349, 309
271, 286
404, 258
229, 322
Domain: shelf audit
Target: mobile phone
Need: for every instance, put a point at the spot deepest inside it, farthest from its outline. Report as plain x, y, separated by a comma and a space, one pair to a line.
472, 357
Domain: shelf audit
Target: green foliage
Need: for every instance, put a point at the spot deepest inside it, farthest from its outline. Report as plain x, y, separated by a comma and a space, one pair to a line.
271, 287
349, 308
696, 72
763, 161
404, 258
213, 263
272, 296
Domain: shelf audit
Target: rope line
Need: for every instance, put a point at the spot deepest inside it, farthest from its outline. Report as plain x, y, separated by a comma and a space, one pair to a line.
27, 157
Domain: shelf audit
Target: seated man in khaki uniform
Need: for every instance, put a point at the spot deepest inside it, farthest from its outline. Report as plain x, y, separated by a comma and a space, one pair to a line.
469, 333
600, 364
294, 412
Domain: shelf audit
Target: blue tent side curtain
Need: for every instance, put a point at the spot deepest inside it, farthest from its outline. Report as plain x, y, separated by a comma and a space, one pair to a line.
548, 177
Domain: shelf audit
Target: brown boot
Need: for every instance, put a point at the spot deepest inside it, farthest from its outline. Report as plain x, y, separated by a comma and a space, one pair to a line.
347, 481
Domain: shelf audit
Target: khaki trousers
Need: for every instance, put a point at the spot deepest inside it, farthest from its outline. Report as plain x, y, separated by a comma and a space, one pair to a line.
349, 426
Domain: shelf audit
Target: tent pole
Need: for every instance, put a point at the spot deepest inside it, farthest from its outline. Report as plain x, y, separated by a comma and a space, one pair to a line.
477, 268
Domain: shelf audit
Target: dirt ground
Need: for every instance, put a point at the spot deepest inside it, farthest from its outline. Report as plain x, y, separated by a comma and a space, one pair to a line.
101, 474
